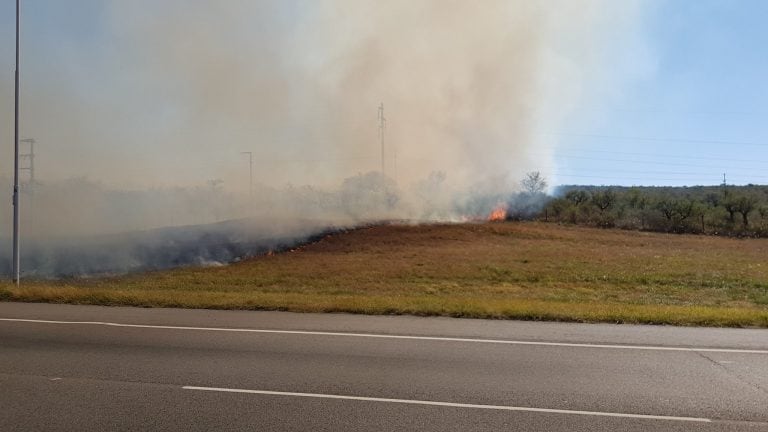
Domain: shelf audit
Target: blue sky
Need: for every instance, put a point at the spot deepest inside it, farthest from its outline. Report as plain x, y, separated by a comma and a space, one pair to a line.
694, 109
700, 113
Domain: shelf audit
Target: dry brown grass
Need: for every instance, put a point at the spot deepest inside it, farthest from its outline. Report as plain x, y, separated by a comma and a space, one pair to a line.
496, 270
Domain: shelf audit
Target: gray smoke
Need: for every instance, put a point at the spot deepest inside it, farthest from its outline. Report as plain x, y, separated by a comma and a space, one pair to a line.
141, 110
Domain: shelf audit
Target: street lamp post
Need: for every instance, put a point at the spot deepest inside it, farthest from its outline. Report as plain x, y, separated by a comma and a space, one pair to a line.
16, 266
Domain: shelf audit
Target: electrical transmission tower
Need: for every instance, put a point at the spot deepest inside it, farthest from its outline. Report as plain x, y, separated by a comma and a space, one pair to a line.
725, 187
27, 163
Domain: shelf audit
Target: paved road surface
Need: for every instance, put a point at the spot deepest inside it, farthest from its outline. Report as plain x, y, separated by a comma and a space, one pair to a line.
70, 368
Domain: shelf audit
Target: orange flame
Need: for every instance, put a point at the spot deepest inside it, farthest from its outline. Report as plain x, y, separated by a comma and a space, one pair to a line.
498, 214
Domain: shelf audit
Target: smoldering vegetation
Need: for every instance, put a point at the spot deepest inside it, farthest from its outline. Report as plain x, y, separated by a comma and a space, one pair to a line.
118, 231
162, 248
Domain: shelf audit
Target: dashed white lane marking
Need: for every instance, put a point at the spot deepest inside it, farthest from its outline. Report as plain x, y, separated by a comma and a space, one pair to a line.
451, 404
401, 337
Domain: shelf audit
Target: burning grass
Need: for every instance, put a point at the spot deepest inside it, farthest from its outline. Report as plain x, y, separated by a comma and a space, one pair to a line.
492, 270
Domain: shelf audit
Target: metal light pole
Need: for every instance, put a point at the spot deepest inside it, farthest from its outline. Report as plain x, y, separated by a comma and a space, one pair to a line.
16, 267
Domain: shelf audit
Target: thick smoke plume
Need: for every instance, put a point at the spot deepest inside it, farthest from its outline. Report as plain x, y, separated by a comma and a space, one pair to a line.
141, 119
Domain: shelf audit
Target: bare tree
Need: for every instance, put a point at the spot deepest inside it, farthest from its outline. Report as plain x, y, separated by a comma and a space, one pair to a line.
534, 183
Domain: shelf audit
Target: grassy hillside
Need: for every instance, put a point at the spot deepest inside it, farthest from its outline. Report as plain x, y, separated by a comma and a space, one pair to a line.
492, 270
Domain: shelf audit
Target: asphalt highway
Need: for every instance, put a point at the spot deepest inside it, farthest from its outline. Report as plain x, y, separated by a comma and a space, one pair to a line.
80, 368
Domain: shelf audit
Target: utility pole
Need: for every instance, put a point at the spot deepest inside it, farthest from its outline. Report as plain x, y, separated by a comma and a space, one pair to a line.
16, 266
382, 126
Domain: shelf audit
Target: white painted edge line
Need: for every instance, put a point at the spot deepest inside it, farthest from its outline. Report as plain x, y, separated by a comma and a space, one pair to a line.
405, 337
451, 404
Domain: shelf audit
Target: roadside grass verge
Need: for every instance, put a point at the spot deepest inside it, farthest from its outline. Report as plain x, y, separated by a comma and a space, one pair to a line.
525, 271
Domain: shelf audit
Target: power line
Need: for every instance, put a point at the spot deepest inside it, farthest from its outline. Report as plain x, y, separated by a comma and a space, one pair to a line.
621, 179
699, 181
646, 162
690, 174
669, 112
560, 150
654, 139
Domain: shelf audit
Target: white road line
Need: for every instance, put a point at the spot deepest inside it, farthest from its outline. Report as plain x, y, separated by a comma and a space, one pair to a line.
451, 404
405, 337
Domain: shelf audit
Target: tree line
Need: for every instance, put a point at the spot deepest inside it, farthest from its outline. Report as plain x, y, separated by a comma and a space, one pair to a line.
719, 210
